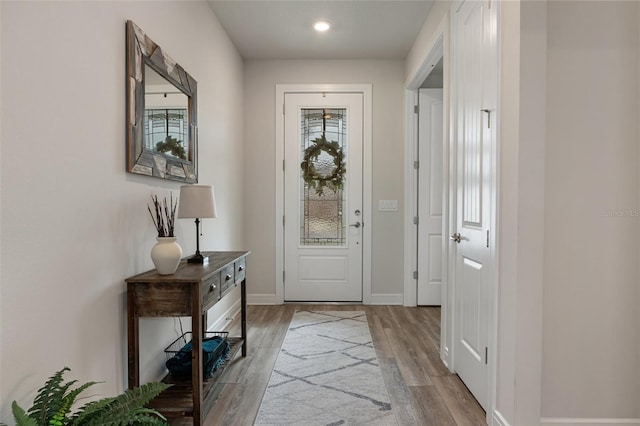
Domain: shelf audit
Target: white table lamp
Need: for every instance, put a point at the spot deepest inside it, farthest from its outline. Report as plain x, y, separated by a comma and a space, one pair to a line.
196, 201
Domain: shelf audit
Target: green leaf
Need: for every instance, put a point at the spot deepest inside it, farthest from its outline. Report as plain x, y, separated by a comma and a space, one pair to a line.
21, 417
137, 417
121, 407
90, 411
49, 399
53, 403
61, 416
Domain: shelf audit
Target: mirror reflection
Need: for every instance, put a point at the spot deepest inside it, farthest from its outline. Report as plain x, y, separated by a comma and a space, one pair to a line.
162, 116
166, 116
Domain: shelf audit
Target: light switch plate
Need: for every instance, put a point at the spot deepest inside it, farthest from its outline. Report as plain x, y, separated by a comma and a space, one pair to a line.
388, 205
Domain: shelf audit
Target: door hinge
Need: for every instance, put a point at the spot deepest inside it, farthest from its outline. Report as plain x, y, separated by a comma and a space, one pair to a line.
488, 111
487, 238
282, 109
283, 276
486, 355
283, 165
282, 220
416, 165
416, 109
415, 275
416, 220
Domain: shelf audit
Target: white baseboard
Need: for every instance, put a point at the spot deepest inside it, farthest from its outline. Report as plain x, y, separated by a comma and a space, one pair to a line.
445, 358
387, 299
261, 299
498, 419
227, 317
566, 421
376, 299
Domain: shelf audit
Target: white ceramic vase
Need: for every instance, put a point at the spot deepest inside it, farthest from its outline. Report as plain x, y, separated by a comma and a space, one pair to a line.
166, 254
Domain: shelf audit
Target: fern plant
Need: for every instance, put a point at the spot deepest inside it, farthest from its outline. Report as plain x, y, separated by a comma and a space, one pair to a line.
52, 406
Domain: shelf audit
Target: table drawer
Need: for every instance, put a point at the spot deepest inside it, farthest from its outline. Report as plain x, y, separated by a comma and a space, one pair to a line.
226, 279
240, 269
210, 291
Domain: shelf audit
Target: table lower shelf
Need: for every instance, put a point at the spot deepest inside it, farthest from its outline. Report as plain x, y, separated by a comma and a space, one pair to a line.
177, 401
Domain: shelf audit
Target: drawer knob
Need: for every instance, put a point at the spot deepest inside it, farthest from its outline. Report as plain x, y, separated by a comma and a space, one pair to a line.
240, 268
227, 278
213, 287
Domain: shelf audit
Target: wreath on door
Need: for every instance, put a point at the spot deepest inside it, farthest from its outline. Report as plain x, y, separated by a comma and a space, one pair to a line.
311, 176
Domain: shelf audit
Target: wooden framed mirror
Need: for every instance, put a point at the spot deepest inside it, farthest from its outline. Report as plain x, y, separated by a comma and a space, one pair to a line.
162, 125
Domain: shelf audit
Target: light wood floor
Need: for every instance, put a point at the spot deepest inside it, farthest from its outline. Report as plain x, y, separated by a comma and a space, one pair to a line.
422, 390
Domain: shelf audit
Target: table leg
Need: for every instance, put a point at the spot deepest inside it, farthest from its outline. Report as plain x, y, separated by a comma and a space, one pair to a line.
243, 314
196, 355
133, 348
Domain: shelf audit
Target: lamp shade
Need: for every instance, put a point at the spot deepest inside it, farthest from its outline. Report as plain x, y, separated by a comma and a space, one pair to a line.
196, 201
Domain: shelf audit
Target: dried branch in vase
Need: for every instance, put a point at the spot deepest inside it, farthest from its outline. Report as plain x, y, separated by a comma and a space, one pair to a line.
165, 215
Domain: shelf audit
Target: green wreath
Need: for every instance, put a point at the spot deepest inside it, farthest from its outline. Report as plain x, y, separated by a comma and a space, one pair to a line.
312, 178
173, 146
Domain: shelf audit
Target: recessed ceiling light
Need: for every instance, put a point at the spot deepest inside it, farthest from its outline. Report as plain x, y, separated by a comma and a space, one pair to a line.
321, 26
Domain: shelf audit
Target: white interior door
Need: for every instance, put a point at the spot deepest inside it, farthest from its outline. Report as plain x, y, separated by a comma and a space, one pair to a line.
475, 107
323, 135
430, 144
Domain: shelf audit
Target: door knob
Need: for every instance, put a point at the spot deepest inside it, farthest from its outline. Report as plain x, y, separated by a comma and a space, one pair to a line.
355, 225
456, 237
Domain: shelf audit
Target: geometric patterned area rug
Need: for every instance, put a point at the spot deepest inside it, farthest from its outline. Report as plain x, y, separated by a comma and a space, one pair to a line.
326, 374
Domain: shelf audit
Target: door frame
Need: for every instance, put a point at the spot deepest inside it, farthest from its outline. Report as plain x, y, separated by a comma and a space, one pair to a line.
366, 91
438, 47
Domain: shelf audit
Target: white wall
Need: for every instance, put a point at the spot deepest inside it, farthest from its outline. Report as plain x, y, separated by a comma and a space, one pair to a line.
74, 223
508, 139
591, 315
583, 57
260, 82
425, 39
521, 210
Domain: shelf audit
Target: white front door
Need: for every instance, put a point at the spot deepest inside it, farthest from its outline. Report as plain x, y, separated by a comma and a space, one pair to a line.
430, 144
475, 111
323, 135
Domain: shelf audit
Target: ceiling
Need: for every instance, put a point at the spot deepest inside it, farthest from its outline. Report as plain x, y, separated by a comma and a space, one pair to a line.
361, 29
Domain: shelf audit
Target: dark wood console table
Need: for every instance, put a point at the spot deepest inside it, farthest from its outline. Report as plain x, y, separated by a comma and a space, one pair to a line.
190, 291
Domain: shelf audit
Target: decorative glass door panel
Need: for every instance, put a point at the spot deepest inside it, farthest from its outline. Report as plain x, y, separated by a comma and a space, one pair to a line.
323, 137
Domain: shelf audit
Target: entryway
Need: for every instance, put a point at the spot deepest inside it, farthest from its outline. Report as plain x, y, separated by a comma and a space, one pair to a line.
323, 197
324, 137
468, 221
